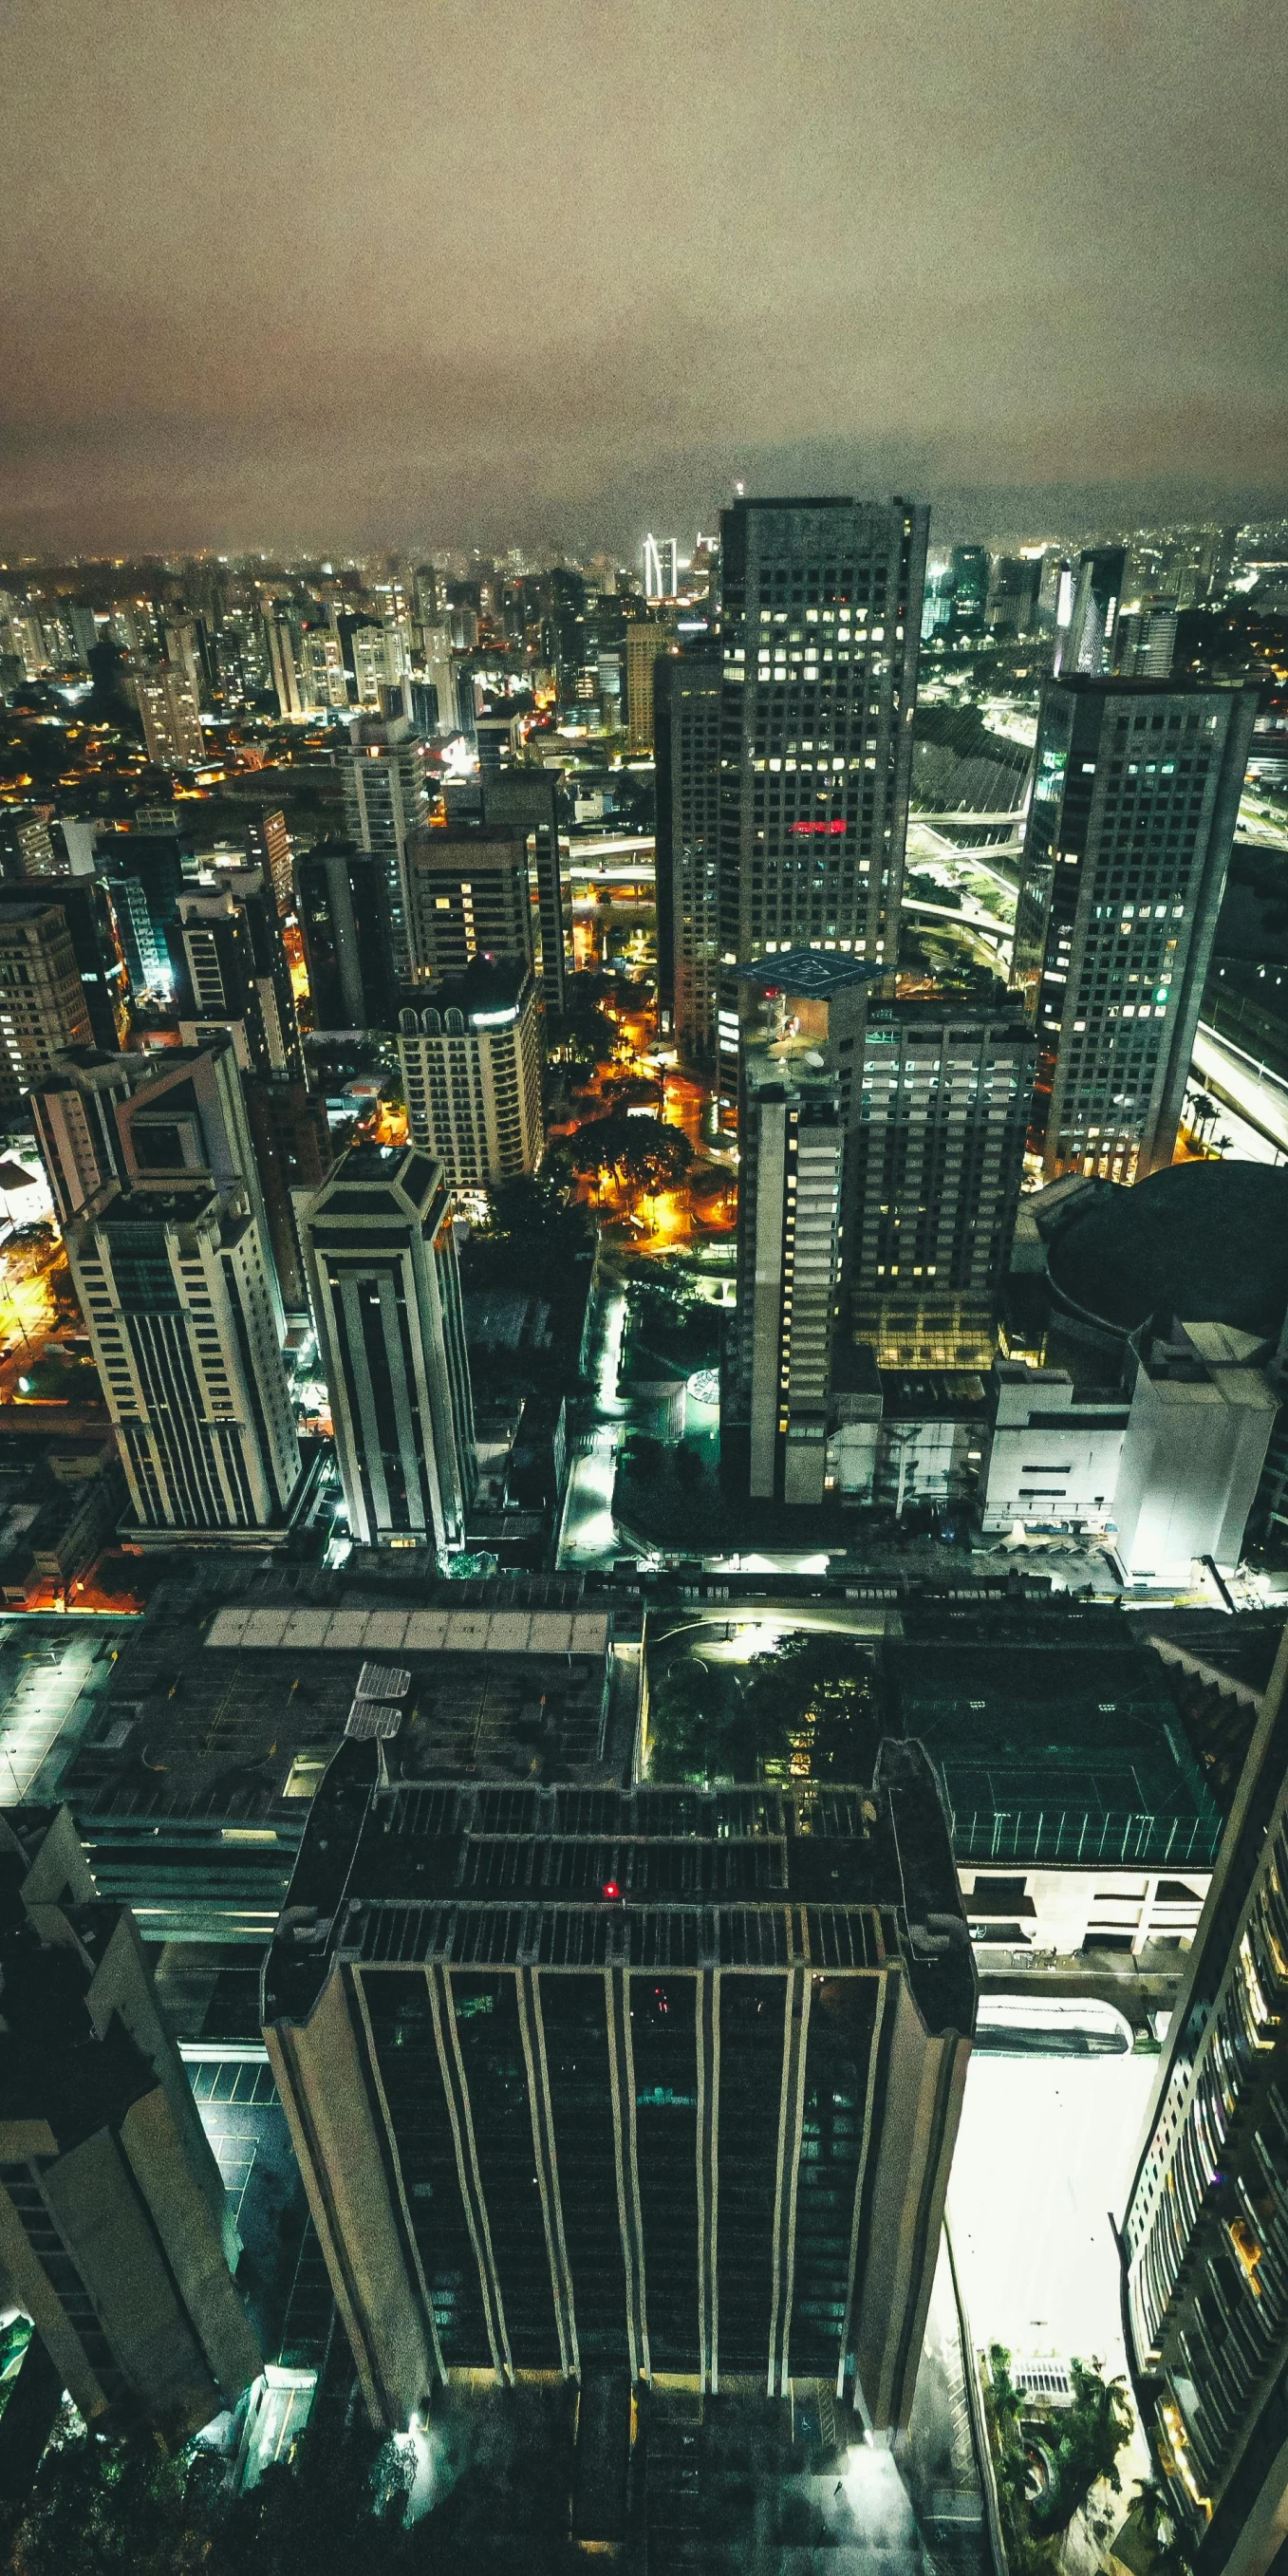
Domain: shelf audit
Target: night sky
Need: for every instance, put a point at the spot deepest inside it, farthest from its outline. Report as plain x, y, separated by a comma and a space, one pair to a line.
409, 271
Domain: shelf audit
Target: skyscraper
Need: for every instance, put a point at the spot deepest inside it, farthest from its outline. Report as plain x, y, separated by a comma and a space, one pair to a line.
338, 898
42, 999
380, 1255
1013, 594
385, 802
116, 2234
469, 1050
145, 873
1085, 646
1135, 799
86, 907
232, 971
802, 1018
820, 623
1206, 2224
180, 1300
1145, 639
938, 1150
660, 566
591, 2079
646, 638
688, 696
171, 718
268, 846
529, 800
968, 574
469, 896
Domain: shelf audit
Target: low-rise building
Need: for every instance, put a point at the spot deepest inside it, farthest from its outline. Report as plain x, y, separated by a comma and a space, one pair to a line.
1054, 1453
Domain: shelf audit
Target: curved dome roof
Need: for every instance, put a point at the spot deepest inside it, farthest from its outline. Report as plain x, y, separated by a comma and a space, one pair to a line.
1207, 1242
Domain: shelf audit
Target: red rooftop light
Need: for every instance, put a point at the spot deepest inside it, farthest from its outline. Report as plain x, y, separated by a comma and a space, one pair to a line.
611, 1887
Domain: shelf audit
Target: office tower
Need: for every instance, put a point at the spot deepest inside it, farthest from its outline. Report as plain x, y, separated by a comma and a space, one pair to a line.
84, 626
116, 2235
385, 801
291, 1136
469, 1049
968, 574
802, 1020
820, 621
1013, 595
283, 637
86, 908
182, 651
1145, 639
145, 873
1206, 2222
231, 972
380, 1255
660, 564
529, 800
938, 1152
339, 892
563, 632
469, 895
425, 592
42, 1000
28, 845
1085, 644
688, 695
171, 720
697, 2118
268, 847
435, 672
1135, 799
646, 639
180, 1300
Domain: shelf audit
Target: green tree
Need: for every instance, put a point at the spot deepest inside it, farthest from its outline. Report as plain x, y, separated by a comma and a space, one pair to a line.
642, 1154
812, 1697
695, 1720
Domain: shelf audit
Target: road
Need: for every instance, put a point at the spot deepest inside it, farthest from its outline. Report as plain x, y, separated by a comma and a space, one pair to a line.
588, 1534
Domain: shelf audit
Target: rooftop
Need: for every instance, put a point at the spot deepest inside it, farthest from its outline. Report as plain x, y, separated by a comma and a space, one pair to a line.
808, 970
1207, 1242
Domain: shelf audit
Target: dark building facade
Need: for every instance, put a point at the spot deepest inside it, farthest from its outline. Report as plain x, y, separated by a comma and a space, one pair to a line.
1135, 800
528, 799
654, 2081
338, 895
688, 694
820, 621
1205, 2235
91, 926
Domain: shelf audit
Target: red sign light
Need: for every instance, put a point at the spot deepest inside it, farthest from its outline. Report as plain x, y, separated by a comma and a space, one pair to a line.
611, 1887
814, 830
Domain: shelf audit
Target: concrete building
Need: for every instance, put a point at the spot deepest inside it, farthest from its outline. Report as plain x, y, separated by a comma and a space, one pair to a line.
646, 640
87, 909
291, 1137
1145, 639
938, 1152
386, 803
1085, 643
688, 696
380, 1256
801, 1024
1202, 1411
700, 2123
231, 972
182, 1306
820, 622
1135, 798
171, 718
339, 893
469, 895
1204, 2229
42, 999
115, 2232
268, 846
469, 1051
145, 873
528, 800
1054, 1454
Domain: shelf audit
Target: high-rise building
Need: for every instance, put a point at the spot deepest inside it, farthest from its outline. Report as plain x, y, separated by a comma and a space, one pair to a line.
282, 634
116, 2234
171, 718
380, 1255
1013, 595
529, 800
86, 908
646, 638
268, 846
802, 1018
1135, 799
145, 873
660, 568
469, 1049
968, 574
436, 673
322, 674
385, 802
180, 1300
820, 624
291, 1136
1206, 2224
42, 999
599, 2079
231, 972
1085, 643
339, 894
687, 700
1145, 639
469, 895
937, 1158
